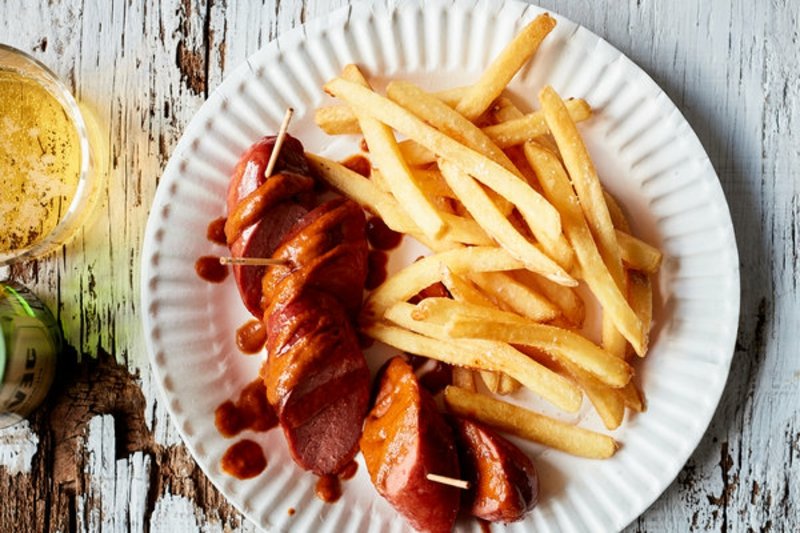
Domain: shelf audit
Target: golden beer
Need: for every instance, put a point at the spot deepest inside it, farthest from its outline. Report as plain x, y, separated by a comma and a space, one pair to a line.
40, 161
46, 187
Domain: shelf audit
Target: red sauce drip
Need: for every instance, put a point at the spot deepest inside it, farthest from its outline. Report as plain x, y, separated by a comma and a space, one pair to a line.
376, 269
209, 268
250, 337
251, 411
216, 231
365, 342
358, 164
363, 144
380, 236
434, 380
348, 471
244, 460
291, 511
486, 526
329, 488
437, 290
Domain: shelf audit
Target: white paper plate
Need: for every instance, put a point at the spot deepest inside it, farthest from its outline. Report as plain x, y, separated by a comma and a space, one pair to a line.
646, 154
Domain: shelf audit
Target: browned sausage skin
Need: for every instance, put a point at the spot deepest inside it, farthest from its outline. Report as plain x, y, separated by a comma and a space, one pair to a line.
405, 438
504, 485
315, 375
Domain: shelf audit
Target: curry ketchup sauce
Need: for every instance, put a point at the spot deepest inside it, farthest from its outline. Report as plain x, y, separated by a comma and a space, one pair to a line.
245, 459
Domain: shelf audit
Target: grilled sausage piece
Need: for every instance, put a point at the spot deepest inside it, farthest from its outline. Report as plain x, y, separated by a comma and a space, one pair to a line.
261, 237
504, 485
317, 379
405, 438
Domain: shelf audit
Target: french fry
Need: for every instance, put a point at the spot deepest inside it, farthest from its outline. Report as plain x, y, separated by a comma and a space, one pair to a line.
557, 188
340, 119
529, 425
428, 270
463, 290
491, 379
492, 220
337, 120
616, 213
510, 132
584, 179
565, 298
637, 254
447, 120
606, 401
476, 322
497, 75
464, 378
386, 155
367, 194
541, 217
641, 297
475, 354
515, 296
523, 128
507, 385
433, 183
475, 199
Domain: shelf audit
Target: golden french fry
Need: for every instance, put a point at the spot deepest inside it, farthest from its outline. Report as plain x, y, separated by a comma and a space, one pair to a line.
641, 297
491, 380
447, 120
436, 113
529, 425
424, 338
510, 132
522, 128
542, 218
633, 397
607, 402
507, 385
463, 290
464, 378
340, 119
616, 213
565, 298
337, 120
515, 296
637, 254
477, 322
497, 75
486, 213
557, 188
386, 155
428, 270
584, 179
432, 182
366, 193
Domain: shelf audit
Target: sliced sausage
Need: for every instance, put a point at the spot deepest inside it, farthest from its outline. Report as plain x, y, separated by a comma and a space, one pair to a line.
405, 438
504, 485
317, 379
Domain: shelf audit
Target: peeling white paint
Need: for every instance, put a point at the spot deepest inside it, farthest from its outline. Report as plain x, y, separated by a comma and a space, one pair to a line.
18, 445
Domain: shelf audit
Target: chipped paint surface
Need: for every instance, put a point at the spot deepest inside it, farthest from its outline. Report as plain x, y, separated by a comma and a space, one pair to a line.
18, 444
102, 453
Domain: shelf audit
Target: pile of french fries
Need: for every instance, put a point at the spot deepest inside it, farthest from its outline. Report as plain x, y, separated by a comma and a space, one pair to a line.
513, 210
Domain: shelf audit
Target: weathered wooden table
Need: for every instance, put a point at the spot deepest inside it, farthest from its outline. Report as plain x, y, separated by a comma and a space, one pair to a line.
101, 455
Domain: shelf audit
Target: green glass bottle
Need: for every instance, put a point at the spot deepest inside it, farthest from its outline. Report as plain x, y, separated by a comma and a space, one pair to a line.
29, 347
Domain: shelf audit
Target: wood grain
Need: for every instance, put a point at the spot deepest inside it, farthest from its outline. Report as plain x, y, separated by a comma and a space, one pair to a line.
108, 458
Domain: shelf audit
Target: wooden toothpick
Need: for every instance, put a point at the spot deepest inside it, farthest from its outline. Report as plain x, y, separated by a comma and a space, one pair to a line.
276, 150
254, 261
444, 480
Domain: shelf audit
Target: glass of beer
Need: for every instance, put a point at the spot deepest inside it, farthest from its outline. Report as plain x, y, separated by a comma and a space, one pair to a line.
47, 188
